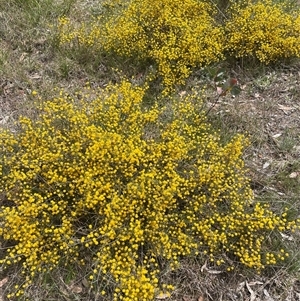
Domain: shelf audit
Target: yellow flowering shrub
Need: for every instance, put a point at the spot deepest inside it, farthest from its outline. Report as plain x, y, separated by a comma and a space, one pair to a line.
87, 35
100, 175
175, 35
264, 30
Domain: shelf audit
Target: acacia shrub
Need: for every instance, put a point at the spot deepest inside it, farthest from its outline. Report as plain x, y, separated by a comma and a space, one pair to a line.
174, 35
102, 176
263, 29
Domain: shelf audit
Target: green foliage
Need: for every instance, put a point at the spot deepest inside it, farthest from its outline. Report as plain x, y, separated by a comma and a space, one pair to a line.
100, 176
36, 11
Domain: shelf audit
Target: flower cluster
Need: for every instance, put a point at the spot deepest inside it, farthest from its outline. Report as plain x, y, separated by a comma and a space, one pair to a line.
100, 175
264, 30
175, 35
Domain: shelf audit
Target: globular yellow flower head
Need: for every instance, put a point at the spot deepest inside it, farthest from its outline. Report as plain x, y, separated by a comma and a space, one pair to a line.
264, 30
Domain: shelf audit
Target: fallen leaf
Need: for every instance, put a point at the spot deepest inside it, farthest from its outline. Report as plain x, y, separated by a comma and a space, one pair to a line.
285, 108
35, 76
294, 175
76, 289
220, 90
3, 281
267, 164
287, 237
85, 283
277, 135
214, 272
182, 93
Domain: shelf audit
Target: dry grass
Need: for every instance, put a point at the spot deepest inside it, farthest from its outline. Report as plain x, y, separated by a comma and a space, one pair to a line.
268, 109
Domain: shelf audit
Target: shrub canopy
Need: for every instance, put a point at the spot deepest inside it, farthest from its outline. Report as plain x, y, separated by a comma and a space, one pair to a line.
108, 178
